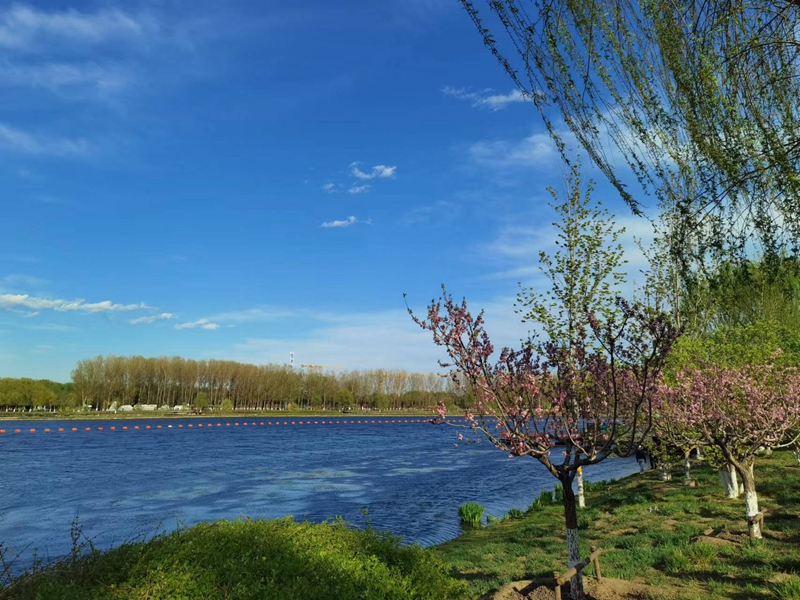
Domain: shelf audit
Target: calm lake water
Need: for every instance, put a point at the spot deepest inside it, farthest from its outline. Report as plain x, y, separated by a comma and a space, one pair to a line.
409, 476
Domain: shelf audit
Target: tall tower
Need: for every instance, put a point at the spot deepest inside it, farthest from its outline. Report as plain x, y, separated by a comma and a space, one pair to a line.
291, 360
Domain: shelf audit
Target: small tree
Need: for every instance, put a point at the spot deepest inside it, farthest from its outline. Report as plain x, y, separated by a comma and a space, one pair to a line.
588, 386
201, 401
737, 411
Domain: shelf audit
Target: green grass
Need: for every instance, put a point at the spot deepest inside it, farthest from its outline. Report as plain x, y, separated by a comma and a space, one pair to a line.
248, 560
647, 528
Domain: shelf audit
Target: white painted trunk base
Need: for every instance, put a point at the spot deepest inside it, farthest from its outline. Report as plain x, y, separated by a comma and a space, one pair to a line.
687, 470
664, 474
751, 510
581, 499
730, 484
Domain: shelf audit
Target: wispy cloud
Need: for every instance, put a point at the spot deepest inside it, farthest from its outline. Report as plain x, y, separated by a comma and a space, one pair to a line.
358, 189
200, 323
487, 98
19, 141
345, 222
358, 340
330, 188
152, 318
25, 27
71, 79
50, 327
18, 279
536, 150
439, 210
12, 301
379, 171
261, 314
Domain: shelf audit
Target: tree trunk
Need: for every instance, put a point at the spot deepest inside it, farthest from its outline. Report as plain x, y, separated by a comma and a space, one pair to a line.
730, 485
573, 550
796, 451
750, 499
581, 499
664, 474
687, 470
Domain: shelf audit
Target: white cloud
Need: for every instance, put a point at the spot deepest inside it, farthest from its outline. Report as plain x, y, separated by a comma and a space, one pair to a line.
358, 189
152, 318
534, 151
24, 27
359, 340
17, 279
515, 250
261, 314
50, 327
201, 323
23, 142
486, 98
380, 171
351, 220
330, 188
11, 301
63, 77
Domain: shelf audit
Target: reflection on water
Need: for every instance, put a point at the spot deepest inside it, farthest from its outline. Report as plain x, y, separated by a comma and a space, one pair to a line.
410, 477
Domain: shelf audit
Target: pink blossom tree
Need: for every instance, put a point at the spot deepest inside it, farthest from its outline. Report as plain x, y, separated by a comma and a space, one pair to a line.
582, 392
568, 408
736, 410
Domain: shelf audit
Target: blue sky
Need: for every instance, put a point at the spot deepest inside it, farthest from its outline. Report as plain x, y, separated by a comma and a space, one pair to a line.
240, 180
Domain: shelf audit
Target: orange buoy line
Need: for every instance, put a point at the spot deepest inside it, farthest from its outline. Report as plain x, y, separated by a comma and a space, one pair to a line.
227, 424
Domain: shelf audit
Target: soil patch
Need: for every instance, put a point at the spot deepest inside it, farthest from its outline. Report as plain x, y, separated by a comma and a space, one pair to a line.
608, 589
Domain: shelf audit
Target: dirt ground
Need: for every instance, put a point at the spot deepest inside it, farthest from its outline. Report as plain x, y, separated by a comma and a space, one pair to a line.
608, 589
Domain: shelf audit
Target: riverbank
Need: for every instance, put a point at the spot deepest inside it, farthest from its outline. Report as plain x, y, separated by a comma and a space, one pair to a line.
674, 542
688, 543
240, 414
247, 560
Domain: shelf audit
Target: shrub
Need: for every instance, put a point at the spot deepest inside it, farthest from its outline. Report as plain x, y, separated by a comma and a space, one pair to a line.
248, 560
471, 513
589, 486
515, 513
558, 492
226, 406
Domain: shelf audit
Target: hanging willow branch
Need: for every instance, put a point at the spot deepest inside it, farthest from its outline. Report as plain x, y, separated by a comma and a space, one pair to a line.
698, 101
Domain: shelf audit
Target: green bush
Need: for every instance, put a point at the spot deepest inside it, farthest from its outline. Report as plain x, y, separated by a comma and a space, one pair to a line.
248, 560
558, 492
589, 486
471, 512
226, 406
515, 513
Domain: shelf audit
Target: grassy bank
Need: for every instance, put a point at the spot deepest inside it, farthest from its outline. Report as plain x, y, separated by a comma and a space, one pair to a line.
251, 560
650, 531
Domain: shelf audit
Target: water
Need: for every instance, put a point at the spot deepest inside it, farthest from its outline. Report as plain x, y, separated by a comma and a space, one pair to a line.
410, 477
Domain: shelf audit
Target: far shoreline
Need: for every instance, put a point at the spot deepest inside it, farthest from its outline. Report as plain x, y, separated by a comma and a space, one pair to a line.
139, 415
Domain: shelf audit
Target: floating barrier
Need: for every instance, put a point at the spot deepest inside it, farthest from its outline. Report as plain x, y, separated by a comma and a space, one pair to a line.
207, 426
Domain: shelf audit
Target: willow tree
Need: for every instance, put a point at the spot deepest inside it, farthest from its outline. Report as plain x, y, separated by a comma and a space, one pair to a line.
698, 99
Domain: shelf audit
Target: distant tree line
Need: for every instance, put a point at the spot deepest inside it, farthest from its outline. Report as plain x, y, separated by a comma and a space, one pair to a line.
216, 384
24, 393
